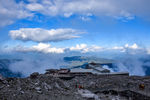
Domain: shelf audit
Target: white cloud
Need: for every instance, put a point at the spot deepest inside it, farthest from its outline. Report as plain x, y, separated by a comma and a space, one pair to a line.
47, 48
132, 49
35, 7
148, 51
117, 48
32, 1
41, 47
84, 48
10, 11
43, 35
80, 48
126, 46
134, 46
113, 8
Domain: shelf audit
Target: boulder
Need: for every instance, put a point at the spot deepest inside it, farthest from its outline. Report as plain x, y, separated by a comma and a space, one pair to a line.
34, 75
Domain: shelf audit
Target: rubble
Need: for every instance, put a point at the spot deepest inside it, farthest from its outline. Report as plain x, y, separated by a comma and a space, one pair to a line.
88, 94
38, 90
92, 87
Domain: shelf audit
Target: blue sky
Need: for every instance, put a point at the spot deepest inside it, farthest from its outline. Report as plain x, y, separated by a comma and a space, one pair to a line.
54, 26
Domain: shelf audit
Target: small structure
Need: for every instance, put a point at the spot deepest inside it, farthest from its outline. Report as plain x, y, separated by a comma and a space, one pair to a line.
63, 71
51, 71
98, 68
90, 68
80, 71
115, 73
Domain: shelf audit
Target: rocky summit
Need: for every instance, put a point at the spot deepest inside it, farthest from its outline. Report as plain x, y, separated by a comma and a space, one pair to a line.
82, 87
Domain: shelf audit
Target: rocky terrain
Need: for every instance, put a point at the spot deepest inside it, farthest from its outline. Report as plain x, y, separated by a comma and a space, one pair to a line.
87, 87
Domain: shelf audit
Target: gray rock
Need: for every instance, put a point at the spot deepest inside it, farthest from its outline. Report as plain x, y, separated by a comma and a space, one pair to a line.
34, 75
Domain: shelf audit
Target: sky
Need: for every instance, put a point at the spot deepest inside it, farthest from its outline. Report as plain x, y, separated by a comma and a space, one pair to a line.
85, 26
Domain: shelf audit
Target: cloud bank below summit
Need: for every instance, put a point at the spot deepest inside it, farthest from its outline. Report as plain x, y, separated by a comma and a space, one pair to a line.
46, 48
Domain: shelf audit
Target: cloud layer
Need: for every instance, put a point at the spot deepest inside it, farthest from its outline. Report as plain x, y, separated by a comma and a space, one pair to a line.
118, 9
84, 48
43, 35
126, 47
11, 10
41, 47
46, 48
